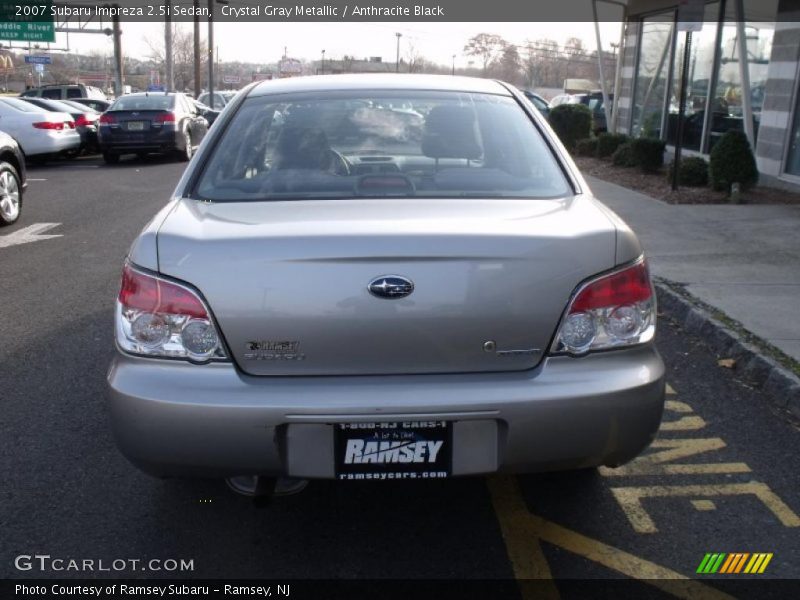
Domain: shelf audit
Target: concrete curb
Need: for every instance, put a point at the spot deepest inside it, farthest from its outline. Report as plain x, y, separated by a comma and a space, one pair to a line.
753, 363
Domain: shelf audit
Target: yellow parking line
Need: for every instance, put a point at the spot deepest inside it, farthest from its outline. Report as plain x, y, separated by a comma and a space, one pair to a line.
630, 499
523, 532
522, 542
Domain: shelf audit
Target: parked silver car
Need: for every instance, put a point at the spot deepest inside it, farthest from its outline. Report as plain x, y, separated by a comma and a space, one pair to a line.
329, 296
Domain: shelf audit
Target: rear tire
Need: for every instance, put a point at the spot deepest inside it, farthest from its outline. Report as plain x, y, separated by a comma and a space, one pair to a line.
187, 152
110, 158
10, 194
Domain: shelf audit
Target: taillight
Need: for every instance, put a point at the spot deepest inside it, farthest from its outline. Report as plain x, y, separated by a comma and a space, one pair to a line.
166, 117
49, 125
616, 309
156, 317
106, 119
70, 124
83, 121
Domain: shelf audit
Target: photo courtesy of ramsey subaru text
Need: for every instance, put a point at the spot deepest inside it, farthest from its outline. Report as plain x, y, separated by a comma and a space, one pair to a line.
382, 277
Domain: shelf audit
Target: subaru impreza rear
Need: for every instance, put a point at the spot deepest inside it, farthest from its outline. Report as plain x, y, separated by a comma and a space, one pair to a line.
341, 288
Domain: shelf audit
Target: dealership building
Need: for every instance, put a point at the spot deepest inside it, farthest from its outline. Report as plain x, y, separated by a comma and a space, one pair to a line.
743, 74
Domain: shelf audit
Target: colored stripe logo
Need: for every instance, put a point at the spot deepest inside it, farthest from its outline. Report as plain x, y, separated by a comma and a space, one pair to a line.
734, 563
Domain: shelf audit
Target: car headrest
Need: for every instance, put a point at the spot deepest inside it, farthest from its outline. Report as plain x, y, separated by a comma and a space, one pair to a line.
451, 132
302, 148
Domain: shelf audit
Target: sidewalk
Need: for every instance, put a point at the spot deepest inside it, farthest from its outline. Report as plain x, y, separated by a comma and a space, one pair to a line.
743, 260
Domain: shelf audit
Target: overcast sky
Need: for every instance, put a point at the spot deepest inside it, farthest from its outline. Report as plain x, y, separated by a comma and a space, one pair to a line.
264, 42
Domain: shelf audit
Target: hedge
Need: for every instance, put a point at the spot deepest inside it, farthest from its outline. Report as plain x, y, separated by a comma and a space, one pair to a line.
572, 122
732, 161
586, 147
648, 153
623, 156
693, 171
607, 143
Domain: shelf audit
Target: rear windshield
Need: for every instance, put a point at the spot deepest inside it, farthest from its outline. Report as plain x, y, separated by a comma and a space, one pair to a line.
22, 105
58, 106
78, 106
337, 145
154, 102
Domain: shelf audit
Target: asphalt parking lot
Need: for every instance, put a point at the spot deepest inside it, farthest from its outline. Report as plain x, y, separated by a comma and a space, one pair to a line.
721, 478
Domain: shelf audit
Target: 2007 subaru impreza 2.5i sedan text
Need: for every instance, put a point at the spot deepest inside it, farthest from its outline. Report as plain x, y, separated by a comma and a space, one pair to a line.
383, 277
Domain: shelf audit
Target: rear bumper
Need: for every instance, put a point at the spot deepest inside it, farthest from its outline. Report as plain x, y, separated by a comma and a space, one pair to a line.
175, 419
54, 142
120, 142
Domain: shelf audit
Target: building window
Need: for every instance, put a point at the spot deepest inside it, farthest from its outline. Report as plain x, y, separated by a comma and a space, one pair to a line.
701, 66
793, 154
759, 49
715, 78
651, 74
728, 110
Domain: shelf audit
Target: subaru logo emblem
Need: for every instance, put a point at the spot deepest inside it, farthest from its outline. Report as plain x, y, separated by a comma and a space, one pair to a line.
391, 286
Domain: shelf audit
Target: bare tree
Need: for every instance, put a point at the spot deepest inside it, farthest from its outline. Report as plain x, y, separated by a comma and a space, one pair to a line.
509, 65
486, 46
541, 63
414, 59
182, 55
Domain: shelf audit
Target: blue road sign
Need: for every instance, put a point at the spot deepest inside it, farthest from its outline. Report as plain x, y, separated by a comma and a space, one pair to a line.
38, 60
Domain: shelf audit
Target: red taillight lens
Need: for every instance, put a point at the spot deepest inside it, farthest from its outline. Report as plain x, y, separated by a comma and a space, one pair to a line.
613, 310
107, 119
167, 117
49, 125
143, 292
70, 124
158, 318
623, 287
83, 120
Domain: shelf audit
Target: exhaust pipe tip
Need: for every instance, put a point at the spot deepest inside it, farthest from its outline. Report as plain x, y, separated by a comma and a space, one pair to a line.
262, 488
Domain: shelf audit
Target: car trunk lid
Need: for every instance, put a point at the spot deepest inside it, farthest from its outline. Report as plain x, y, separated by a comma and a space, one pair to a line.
288, 281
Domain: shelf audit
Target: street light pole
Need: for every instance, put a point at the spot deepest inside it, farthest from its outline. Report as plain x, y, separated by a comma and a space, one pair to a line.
168, 45
118, 65
197, 83
211, 53
454, 65
322, 65
397, 61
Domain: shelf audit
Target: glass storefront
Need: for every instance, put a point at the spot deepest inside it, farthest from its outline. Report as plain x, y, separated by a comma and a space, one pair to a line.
714, 77
701, 64
793, 156
652, 73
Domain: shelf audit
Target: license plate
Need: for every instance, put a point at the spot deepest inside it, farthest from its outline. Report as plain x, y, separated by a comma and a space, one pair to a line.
135, 125
393, 450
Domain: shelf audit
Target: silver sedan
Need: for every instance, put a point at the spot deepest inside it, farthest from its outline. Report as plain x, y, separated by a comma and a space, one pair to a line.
333, 292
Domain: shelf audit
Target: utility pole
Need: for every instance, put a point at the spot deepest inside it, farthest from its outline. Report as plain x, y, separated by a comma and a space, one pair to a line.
198, 88
118, 76
397, 61
211, 53
454, 65
322, 64
676, 163
168, 44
